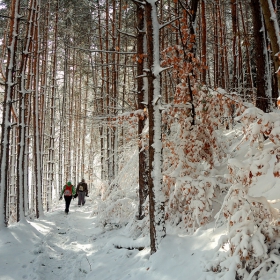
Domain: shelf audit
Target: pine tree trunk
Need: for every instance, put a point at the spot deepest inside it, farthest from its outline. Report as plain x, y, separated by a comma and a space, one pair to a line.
23, 92
234, 35
203, 42
102, 103
51, 153
272, 27
249, 80
7, 106
262, 99
108, 100
143, 168
36, 120
156, 197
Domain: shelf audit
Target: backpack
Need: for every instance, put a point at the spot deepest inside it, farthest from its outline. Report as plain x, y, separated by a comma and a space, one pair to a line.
68, 190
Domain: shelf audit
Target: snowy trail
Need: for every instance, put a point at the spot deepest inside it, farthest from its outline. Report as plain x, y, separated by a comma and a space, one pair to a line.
59, 247
62, 251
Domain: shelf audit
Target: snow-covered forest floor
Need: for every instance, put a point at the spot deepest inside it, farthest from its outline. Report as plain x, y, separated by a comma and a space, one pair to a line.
74, 246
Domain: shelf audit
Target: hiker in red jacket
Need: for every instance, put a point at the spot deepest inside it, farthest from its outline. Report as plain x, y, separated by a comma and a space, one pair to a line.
68, 190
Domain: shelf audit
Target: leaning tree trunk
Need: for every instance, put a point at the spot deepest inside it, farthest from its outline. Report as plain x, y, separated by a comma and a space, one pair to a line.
156, 197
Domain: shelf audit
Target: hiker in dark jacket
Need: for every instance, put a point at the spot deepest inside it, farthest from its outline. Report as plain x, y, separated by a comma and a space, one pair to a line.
68, 190
82, 191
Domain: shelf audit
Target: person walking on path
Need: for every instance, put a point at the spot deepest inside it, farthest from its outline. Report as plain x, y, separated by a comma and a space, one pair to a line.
68, 190
82, 191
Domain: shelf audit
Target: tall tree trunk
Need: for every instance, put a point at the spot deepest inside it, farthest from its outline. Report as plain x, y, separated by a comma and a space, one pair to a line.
203, 42
102, 103
221, 64
36, 119
7, 107
192, 20
143, 168
156, 197
262, 100
249, 79
240, 69
113, 139
216, 49
43, 74
83, 153
234, 35
69, 129
22, 126
62, 122
51, 158
272, 27
108, 99
13, 203
27, 121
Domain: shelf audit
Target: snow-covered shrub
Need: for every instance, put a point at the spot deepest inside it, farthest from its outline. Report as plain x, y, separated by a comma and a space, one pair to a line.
116, 211
140, 228
258, 125
191, 148
217, 108
120, 199
191, 153
251, 248
186, 185
118, 202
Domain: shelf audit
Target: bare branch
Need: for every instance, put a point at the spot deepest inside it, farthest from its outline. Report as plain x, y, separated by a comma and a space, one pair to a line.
99, 51
167, 23
131, 35
138, 2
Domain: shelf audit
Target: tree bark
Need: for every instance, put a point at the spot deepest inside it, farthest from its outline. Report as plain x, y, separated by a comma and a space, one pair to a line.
262, 99
272, 27
36, 118
22, 126
143, 172
203, 42
51, 152
7, 107
234, 48
156, 197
